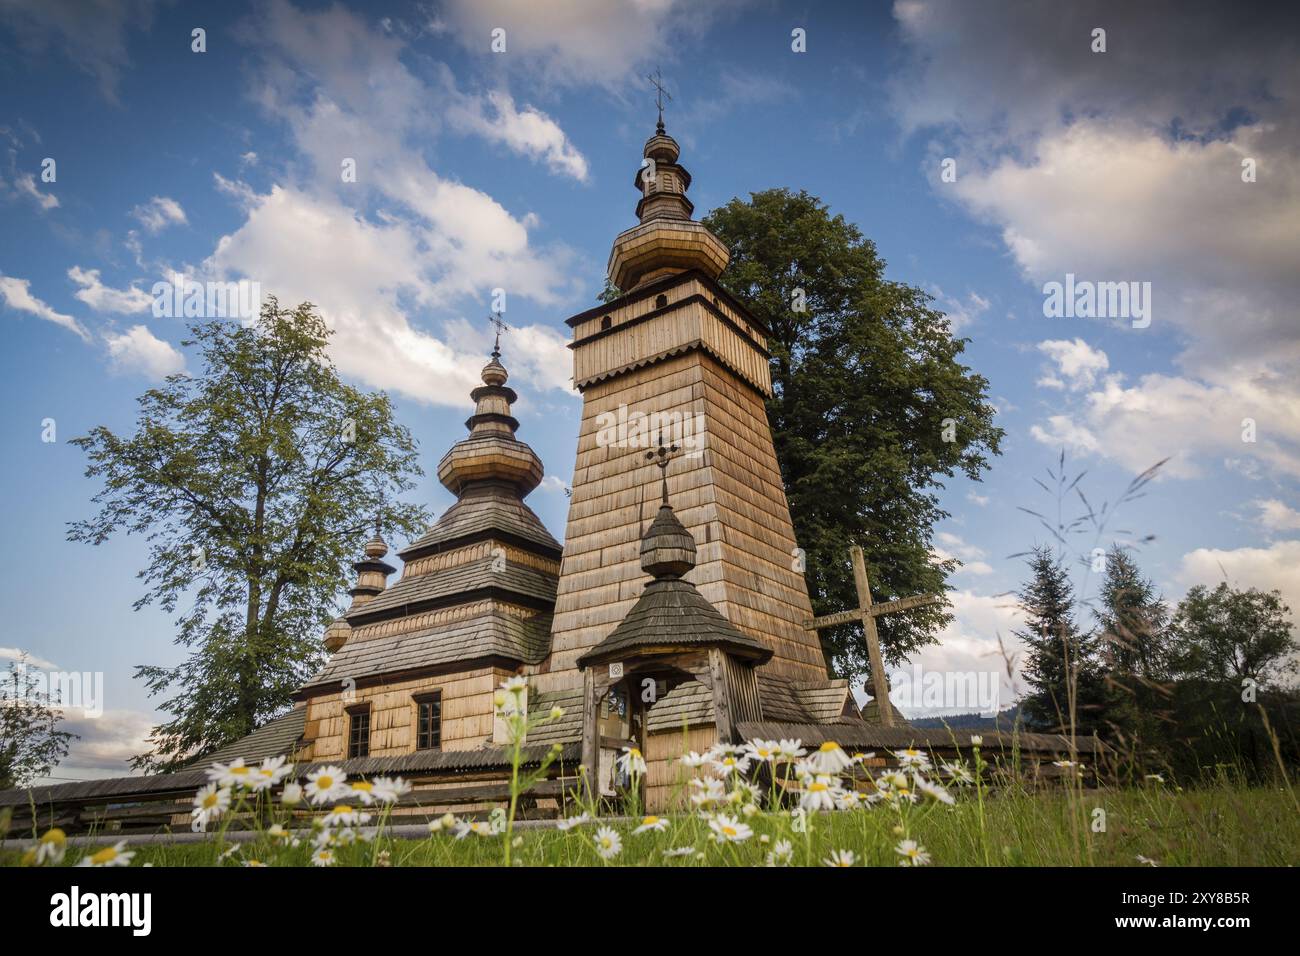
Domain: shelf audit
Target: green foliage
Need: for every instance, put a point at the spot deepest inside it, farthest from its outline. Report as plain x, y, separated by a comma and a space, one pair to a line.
865, 376
255, 483
1065, 688
1233, 636
31, 743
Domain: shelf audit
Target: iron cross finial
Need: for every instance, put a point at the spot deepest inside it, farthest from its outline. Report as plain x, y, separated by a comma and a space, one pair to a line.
656, 80
496, 321
664, 454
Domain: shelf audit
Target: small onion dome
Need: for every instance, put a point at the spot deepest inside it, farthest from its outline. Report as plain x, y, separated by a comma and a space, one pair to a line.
668, 549
337, 634
494, 373
376, 547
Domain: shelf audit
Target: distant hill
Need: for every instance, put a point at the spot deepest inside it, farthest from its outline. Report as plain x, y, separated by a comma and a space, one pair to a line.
1004, 720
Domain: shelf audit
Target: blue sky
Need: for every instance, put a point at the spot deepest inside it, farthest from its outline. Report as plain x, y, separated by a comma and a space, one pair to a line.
479, 169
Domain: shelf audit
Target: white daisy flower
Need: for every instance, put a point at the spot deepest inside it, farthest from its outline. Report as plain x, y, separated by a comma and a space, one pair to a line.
444, 822
209, 804
608, 843
325, 784
390, 789
515, 685
477, 827
233, 774
343, 815
291, 795
1146, 860
849, 800
976, 740
115, 855
679, 851
762, 750
958, 774
631, 761
573, 822
861, 758
730, 764
818, 793
707, 792
51, 847
781, 854
934, 791
323, 857
1155, 778
729, 830
789, 750
912, 853
252, 863
694, 760
913, 759
841, 858
1065, 763
830, 758
272, 771
651, 823
278, 833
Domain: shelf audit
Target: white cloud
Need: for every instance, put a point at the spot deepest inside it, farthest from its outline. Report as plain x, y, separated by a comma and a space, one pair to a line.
577, 42
18, 654
1077, 363
1269, 569
977, 499
159, 213
139, 350
961, 313
107, 742
529, 131
17, 294
25, 184
951, 546
1276, 515
103, 298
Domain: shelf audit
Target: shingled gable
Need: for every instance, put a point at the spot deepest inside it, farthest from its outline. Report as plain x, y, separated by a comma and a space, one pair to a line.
671, 614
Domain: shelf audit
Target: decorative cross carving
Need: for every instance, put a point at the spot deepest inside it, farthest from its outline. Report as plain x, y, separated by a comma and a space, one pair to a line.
664, 454
495, 320
656, 80
866, 613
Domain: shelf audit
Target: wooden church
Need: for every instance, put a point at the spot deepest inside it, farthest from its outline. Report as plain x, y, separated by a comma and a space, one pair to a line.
672, 617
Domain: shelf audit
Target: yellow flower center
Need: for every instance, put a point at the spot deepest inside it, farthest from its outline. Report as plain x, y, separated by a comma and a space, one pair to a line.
816, 787
55, 836
363, 786
239, 771
104, 855
324, 783
342, 810
829, 747
649, 821
729, 830
634, 752
209, 801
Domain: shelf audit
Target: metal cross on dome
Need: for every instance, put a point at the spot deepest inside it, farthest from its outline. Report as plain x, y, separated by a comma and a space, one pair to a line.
664, 454
656, 80
496, 320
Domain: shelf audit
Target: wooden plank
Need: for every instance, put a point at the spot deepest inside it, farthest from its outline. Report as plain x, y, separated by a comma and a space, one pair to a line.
905, 604
873, 639
833, 620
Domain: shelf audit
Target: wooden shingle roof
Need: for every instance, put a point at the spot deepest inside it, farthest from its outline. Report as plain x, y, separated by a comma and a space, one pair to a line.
278, 736
458, 584
671, 613
494, 634
482, 510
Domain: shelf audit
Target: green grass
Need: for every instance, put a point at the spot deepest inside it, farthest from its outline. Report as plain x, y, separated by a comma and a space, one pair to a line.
1218, 826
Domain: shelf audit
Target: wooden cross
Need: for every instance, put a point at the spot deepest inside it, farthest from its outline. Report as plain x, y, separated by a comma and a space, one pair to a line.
656, 80
866, 613
495, 320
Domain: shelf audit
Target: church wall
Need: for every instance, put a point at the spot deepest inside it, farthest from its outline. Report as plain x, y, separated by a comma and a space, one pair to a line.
467, 713
731, 499
666, 779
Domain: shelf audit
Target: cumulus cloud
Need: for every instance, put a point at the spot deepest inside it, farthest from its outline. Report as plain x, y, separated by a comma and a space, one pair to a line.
25, 185
950, 546
17, 294
18, 654
404, 244
577, 42
1076, 363
1275, 515
139, 350
107, 742
159, 213
104, 298
1270, 569
961, 313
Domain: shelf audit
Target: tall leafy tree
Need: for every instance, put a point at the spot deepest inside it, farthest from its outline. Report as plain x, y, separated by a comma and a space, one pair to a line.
1229, 636
31, 743
255, 482
1133, 623
1065, 691
872, 408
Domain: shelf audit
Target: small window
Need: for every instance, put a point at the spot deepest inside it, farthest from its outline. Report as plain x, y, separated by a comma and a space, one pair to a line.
428, 721
605, 323
661, 302
359, 732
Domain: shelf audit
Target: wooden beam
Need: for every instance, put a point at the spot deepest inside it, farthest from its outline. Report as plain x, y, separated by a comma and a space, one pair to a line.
590, 735
905, 604
832, 620
873, 639
722, 709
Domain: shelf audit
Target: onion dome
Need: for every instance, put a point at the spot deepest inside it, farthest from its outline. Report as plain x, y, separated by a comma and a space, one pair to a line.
372, 573
491, 452
667, 550
337, 634
667, 240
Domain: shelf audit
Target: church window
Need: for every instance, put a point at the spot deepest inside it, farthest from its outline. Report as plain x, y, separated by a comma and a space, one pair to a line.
359, 731
661, 302
428, 721
605, 323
